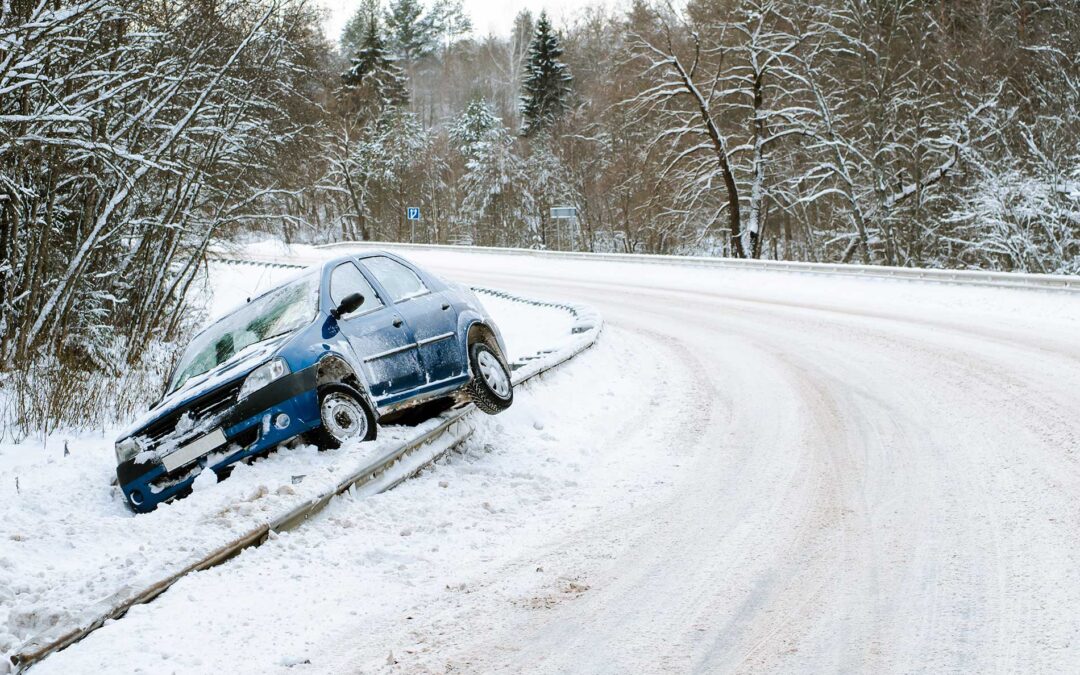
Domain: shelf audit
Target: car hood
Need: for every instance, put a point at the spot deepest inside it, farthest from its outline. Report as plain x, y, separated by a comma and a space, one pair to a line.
242, 363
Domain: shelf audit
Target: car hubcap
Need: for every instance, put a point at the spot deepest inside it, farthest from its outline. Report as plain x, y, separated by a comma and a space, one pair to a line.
494, 375
343, 417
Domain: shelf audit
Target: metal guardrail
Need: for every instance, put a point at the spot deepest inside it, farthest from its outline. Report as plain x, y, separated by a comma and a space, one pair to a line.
374, 477
1057, 282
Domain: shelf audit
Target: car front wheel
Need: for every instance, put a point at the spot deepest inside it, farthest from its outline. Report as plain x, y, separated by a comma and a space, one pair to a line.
490, 389
345, 417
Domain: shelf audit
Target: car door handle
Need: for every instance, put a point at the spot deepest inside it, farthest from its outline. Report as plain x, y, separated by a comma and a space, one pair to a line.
446, 306
397, 322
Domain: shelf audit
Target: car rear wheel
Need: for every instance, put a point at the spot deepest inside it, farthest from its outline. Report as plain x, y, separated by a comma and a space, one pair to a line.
344, 417
490, 389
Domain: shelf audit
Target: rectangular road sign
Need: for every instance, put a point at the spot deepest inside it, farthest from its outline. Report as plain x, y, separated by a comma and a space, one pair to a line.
564, 212
413, 213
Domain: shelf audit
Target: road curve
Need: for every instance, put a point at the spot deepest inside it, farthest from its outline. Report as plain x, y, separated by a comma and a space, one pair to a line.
876, 477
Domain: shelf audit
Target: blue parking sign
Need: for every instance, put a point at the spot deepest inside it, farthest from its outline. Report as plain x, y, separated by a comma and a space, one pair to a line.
413, 213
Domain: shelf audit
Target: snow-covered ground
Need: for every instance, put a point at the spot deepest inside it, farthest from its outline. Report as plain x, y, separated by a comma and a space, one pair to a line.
752, 471
71, 547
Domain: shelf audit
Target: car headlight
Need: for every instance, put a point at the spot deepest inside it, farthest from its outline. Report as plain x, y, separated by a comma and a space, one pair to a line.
262, 376
126, 449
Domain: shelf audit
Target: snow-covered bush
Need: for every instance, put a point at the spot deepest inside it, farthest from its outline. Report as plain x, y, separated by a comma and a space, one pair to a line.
1018, 220
51, 393
131, 136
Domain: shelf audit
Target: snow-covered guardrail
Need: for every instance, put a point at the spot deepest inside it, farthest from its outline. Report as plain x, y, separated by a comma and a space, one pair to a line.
1056, 282
378, 475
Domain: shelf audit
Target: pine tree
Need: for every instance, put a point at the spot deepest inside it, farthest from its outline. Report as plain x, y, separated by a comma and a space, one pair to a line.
352, 36
547, 80
547, 177
411, 32
449, 21
474, 125
375, 79
495, 184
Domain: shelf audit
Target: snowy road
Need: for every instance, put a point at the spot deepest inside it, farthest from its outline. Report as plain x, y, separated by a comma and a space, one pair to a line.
869, 485
769, 473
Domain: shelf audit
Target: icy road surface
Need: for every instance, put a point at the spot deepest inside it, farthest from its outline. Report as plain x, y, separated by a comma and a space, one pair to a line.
750, 472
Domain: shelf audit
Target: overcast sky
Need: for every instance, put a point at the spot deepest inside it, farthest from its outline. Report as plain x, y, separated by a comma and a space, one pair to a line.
488, 16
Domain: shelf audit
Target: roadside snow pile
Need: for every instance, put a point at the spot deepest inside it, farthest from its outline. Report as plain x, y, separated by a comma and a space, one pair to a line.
549, 328
548, 340
71, 548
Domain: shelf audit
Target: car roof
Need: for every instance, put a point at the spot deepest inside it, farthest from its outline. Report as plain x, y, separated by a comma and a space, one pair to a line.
317, 268
364, 253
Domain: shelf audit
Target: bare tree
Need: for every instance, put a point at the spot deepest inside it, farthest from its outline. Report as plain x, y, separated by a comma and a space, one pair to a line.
130, 138
684, 90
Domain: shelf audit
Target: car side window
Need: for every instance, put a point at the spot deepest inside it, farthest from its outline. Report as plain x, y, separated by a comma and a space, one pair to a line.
399, 281
347, 279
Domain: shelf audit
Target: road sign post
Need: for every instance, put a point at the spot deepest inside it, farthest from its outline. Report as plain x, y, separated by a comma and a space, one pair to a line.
560, 214
412, 214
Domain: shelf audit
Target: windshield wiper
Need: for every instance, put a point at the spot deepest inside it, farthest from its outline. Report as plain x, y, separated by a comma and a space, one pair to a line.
271, 337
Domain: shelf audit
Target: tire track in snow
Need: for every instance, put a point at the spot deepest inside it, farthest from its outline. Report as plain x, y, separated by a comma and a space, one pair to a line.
1014, 616
516, 582
940, 561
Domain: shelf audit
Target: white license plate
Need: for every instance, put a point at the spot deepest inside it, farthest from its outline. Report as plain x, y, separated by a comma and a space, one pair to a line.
193, 450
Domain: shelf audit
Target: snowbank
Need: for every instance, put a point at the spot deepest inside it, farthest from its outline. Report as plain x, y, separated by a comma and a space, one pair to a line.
72, 548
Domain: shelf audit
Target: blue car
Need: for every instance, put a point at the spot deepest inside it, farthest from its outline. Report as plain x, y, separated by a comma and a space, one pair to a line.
326, 355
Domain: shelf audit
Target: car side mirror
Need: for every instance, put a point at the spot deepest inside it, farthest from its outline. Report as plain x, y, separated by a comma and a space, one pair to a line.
349, 304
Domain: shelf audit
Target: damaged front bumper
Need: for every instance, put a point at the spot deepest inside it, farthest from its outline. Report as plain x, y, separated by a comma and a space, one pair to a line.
276, 413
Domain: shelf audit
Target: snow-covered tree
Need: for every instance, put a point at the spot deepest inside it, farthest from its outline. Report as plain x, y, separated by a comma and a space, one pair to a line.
124, 152
883, 139
549, 187
403, 171
765, 88
1023, 220
474, 125
1021, 210
411, 32
449, 21
356, 28
546, 87
682, 89
378, 168
374, 82
507, 60
495, 185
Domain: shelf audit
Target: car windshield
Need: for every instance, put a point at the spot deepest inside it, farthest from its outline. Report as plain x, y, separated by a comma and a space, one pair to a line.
278, 312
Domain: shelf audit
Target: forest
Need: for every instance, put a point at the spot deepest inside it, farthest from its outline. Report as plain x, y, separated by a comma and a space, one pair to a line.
137, 135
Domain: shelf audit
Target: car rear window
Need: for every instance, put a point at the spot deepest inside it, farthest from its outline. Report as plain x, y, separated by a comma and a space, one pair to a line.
398, 280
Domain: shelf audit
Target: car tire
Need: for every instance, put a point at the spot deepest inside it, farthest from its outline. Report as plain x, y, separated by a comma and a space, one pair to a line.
344, 416
490, 388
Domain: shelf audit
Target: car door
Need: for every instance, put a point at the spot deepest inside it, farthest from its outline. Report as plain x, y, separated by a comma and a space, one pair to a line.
380, 337
431, 314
